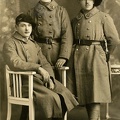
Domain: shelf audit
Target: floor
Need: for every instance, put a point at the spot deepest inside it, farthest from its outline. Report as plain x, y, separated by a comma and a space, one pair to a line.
78, 113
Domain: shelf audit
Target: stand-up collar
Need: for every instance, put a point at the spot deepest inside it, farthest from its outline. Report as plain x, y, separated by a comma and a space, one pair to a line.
88, 14
21, 38
51, 6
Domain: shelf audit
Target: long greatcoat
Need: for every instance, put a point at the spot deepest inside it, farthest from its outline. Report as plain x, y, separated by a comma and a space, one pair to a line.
52, 21
24, 55
88, 77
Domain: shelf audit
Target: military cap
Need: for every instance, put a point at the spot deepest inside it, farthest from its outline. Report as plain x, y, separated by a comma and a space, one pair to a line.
25, 18
97, 2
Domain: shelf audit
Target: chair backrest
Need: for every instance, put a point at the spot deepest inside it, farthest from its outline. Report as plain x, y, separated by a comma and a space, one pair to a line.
14, 83
15, 77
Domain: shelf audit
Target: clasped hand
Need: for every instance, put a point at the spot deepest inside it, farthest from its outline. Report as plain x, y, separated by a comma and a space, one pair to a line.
46, 78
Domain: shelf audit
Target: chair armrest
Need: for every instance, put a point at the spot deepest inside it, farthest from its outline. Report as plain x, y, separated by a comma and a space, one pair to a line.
22, 73
115, 69
115, 66
63, 74
64, 68
19, 72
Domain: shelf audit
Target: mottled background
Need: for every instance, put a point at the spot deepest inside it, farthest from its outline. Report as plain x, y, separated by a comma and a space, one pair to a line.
9, 9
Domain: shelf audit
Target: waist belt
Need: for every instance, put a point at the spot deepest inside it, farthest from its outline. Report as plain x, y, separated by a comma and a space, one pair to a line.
88, 42
48, 40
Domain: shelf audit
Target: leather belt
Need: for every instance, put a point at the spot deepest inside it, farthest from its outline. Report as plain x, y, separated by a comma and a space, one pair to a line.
48, 40
88, 42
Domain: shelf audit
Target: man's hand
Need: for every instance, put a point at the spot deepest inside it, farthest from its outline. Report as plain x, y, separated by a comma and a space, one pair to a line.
45, 75
60, 62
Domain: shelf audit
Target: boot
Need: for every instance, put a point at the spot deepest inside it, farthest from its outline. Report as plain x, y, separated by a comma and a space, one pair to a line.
93, 111
24, 113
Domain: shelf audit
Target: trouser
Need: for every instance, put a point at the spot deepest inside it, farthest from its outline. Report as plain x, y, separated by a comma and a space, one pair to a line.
24, 112
93, 111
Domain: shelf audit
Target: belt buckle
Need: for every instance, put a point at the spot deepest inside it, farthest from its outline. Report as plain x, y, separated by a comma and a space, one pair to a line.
49, 40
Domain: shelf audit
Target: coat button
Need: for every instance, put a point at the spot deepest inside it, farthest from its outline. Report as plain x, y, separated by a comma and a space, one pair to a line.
50, 31
50, 16
87, 48
88, 15
39, 23
50, 24
89, 21
87, 28
76, 49
40, 16
52, 7
78, 24
87, 36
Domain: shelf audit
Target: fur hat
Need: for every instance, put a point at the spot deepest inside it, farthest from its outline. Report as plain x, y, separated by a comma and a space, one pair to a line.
97, 2
24, 18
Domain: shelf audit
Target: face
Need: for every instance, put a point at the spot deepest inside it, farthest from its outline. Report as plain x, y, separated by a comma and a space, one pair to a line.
24, 29
86, 4
46, 0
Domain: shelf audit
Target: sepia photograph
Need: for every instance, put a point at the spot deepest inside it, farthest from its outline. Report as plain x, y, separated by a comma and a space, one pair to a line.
59, 60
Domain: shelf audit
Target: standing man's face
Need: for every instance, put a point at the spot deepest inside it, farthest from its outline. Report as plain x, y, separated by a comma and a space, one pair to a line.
86, 4
46, 0
24, 29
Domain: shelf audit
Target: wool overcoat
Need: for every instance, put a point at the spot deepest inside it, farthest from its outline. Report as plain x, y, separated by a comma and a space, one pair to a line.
89, 75
24, 55
52, 21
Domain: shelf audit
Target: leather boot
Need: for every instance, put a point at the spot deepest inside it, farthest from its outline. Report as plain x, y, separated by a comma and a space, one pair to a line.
24, 113
93, 111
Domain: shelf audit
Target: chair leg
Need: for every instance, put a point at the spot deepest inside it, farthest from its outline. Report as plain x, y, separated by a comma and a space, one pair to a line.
107, 111
31, 112
9, 111
65, 117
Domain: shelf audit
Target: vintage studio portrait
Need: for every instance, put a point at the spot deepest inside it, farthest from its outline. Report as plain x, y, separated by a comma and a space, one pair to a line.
59, 60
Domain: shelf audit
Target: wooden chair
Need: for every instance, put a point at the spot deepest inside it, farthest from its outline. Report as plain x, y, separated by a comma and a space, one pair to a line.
14, 96
115, 70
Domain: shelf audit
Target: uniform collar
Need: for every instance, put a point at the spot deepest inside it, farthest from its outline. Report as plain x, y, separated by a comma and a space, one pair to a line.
21, 38
88, 14
51, 6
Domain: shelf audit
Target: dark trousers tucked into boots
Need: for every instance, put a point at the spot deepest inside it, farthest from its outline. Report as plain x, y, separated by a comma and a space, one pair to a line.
24, 113
93, 111
25, 110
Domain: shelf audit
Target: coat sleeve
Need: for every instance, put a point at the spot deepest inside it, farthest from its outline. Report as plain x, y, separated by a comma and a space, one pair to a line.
14, 61
44, 63
66, 36
110, 32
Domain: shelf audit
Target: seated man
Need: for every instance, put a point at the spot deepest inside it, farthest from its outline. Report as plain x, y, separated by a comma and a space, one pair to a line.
22, 53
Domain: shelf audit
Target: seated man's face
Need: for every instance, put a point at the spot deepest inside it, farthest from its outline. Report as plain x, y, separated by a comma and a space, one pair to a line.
24, 29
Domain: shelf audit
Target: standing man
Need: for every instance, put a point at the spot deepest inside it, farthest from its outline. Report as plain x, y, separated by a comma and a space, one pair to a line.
22, 53
53, 31
95, 37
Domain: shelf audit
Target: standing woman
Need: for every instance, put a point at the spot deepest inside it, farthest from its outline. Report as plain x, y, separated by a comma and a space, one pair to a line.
94, 34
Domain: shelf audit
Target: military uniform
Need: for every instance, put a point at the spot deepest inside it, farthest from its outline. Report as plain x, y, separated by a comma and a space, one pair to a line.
53, 30
88, 77
26, 55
